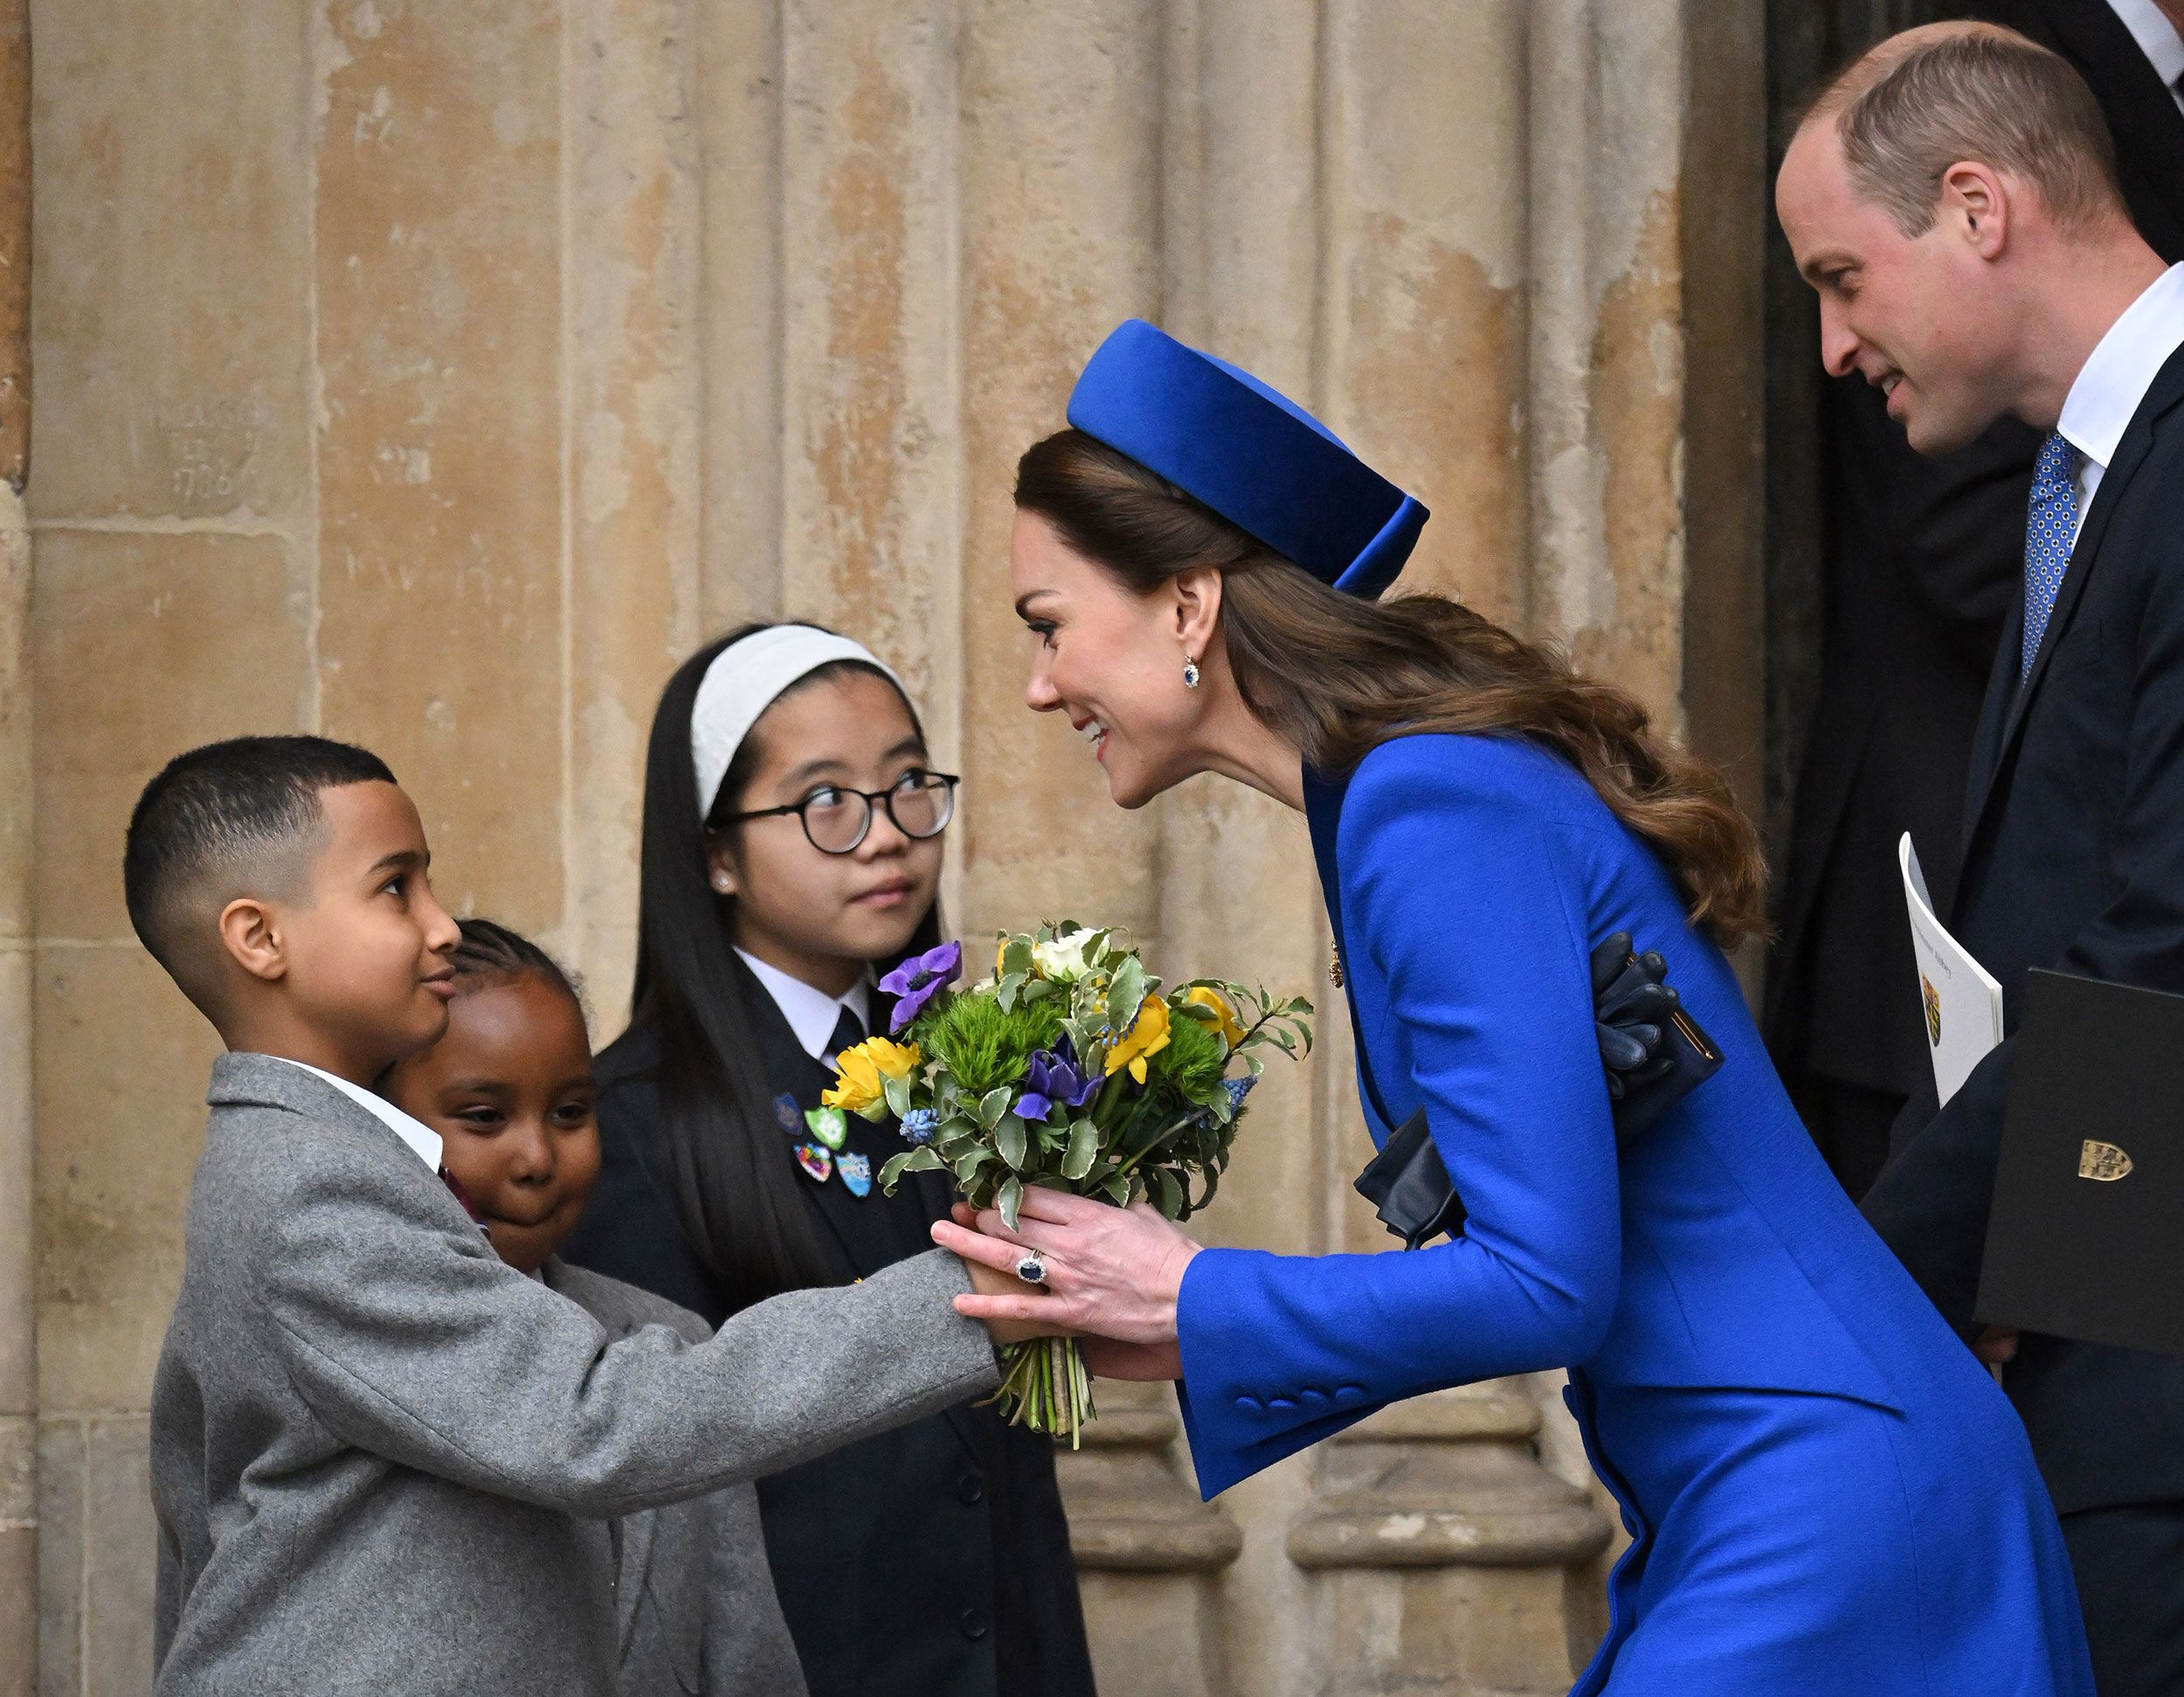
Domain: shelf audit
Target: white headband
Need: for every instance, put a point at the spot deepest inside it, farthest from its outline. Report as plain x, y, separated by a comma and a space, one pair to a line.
748, 677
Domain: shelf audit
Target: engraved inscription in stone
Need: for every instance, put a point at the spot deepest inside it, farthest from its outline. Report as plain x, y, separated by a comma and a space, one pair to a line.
209, 447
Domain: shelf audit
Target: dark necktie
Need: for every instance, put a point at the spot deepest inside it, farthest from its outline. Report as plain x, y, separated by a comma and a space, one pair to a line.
2050, 527
849, 1031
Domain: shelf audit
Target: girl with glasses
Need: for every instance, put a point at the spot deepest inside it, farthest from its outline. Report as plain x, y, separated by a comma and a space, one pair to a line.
791, 853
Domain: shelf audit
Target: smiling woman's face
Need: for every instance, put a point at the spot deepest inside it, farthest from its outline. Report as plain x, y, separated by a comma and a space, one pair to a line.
1110, 659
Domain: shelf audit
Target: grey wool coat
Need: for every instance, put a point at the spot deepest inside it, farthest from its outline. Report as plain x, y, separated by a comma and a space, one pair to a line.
695, 1609
383, 1461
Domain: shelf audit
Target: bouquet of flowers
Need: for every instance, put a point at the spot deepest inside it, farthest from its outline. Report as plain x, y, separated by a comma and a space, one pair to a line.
1069, 1067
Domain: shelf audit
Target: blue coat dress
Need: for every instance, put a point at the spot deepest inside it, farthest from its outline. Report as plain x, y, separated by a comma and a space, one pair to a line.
1826, 1492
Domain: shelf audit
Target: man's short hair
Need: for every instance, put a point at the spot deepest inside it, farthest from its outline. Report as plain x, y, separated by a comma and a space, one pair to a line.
221, 815
1978, 92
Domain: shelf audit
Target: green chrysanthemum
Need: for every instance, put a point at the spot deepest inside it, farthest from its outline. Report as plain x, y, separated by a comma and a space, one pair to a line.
982, 1046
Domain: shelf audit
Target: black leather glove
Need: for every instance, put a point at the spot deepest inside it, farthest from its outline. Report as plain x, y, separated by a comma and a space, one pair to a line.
1631, 1008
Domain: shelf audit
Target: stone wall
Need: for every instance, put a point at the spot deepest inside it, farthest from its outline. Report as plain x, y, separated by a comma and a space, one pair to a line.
435, 373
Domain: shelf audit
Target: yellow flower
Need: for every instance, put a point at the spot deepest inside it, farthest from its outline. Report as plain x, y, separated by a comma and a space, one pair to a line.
864, 1069
1231, 1027
1148, 1036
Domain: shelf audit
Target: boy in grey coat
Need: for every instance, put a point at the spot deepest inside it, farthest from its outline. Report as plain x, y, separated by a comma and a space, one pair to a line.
383, 1460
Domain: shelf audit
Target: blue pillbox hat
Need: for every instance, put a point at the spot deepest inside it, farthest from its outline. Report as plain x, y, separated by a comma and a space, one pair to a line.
1255, 457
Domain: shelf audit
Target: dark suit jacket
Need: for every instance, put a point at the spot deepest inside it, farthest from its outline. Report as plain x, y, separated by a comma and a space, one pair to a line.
932, 1562
1923, 559
2073, 859
2148, 129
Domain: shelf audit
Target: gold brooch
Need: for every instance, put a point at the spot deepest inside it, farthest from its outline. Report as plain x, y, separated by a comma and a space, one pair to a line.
2101, 1161
1334, 964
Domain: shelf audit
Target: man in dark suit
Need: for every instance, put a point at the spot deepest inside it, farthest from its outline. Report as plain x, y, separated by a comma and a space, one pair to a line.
1953, 199
1923, 555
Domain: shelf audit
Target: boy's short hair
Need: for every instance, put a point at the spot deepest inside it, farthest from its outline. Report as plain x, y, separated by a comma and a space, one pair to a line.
220, 819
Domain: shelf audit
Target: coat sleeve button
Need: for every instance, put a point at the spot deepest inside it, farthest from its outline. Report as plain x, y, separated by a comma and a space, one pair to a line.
971, 1489
973, 1623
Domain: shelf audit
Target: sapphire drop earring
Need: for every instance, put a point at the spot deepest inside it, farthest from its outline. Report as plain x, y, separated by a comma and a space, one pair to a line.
1190, 672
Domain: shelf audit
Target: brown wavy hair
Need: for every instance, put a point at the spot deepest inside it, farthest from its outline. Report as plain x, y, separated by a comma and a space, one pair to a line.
1337, 676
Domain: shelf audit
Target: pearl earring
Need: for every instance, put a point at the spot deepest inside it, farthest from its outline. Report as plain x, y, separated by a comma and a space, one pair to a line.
1190, 672
719, 882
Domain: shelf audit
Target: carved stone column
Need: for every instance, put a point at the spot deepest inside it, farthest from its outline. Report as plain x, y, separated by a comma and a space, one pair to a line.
1442, 1547
1148, 1554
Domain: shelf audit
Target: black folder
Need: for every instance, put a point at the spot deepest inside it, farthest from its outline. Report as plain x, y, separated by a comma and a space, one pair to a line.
2086, 1239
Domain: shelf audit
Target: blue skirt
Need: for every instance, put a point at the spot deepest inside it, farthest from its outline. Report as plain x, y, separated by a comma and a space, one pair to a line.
1787, 1545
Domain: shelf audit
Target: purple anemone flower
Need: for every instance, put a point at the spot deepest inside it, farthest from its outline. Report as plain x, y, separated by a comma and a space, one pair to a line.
918, 981
1054, 1078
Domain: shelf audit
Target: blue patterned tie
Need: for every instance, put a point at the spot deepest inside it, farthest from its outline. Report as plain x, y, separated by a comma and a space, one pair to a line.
2049, 529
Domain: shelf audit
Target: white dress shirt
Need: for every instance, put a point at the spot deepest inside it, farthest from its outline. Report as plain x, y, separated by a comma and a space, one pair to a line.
419, 1136
2157, 40
2115, 380
812, 1014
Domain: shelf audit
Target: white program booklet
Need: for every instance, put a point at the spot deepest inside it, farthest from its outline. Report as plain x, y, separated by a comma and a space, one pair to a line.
1959, 998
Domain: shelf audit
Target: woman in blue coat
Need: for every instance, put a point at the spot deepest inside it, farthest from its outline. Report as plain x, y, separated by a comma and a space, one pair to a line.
1825, 1492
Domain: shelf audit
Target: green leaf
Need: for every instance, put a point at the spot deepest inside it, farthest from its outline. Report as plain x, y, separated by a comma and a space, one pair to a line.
1171, 1201
1124, 995
897, 1090
1016, 958
1011, 1200
910, 1161
992, 1105
1009, 1140
967, 1165
1084, 1149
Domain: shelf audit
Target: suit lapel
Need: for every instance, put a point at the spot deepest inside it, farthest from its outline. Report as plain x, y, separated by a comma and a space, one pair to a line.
2166, 389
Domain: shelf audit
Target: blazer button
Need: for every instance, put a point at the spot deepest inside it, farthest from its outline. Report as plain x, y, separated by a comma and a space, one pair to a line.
971, 1489
1248, 1404
973, 1623
1313, 1395
1279, 1402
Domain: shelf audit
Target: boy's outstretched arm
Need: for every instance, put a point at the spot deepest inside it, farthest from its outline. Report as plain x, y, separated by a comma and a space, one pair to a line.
407, 1337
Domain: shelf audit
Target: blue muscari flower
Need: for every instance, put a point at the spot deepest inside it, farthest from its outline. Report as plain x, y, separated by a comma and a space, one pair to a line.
1238, 1089
918, 1126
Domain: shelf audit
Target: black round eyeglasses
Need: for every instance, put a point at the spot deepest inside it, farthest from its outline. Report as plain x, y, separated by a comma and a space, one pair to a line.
836, 820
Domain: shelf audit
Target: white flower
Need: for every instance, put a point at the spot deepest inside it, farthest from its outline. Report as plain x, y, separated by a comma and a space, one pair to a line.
1062, 960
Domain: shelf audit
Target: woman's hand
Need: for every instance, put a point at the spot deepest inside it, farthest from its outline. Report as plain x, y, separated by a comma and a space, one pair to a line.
987, 1282
1113, 1272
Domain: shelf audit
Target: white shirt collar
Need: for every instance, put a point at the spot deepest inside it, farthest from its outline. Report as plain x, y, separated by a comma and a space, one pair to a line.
2156, 36
812, 1014
420, 1137
2122, 368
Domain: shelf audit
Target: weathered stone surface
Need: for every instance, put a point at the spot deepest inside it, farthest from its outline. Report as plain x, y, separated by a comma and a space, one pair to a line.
437, 277
120, 1557
123, 1062
61, 1489
15, 252
170, 318
190, 637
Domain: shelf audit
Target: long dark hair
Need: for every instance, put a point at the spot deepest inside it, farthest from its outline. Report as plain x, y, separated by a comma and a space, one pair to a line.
736, 1189
1336, 675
